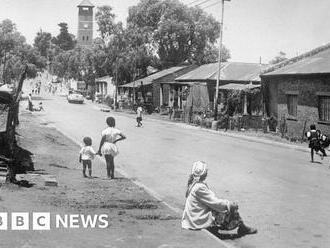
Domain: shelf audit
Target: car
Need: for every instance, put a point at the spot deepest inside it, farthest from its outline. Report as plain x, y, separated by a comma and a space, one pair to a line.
75, 97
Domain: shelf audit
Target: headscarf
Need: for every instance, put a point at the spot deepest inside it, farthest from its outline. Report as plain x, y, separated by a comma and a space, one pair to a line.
199, 169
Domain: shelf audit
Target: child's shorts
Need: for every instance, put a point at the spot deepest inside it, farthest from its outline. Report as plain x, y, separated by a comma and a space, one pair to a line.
138, 119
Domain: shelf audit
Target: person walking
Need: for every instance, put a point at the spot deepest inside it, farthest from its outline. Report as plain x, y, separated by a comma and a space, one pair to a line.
108, 148
203, 210
139, 111
30, 104
314, 138
87, 154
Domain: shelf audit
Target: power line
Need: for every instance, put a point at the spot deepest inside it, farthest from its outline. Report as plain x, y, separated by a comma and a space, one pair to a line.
203, 2
211, 5
193, 2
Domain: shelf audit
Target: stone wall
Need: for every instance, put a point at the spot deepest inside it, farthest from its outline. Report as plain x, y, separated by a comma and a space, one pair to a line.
307, 109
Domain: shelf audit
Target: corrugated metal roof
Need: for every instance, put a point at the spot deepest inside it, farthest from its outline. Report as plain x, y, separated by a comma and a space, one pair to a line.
313, 64
239, 87
149, 79
230, 71
103, 79
85, 3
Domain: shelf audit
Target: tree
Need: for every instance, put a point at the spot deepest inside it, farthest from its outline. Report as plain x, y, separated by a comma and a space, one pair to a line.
279, 58
175, 32
64, 40
42, 42
16, 54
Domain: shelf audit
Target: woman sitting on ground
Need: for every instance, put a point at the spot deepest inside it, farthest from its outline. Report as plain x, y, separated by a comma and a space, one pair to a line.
203, 210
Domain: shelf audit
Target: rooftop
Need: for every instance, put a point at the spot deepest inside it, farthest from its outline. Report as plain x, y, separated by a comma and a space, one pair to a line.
316, 61
85, 3
149, 79
230, 71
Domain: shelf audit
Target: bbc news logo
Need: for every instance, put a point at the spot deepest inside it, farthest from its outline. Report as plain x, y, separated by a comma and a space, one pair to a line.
43, 221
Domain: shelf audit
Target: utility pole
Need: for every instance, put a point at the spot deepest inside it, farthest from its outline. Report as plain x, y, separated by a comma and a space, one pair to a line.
116, 92
219, 62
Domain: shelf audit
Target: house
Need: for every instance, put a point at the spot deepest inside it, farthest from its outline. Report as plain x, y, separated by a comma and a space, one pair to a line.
105, 86
298, 91
234, 76
159, 88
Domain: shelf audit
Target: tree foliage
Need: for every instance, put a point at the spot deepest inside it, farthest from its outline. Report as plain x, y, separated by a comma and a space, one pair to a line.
279, 58
64, 40
42, 42
177, 33
15, 54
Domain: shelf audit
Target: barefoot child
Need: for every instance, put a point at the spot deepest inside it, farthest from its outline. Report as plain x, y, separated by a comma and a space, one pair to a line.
139, 111
87, 154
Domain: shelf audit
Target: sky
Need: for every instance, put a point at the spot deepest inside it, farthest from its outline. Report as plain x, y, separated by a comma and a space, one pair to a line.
252, 28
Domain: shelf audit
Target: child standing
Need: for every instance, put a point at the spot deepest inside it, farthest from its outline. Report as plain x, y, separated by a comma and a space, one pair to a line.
87, 154
139, 111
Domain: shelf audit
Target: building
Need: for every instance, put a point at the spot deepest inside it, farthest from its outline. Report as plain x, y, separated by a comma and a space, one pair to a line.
105, 86
233, 76
298, 91
160, 88
85, 23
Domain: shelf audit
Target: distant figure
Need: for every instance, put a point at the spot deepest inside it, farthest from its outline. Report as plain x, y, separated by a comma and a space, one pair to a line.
203, 210
139, 111
87, 154
171, 111
108, 148
314, 138
30, 107
39, 108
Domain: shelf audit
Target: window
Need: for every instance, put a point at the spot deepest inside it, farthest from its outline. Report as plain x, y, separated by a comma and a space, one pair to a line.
292, 102
324, 108
83, 37
85, 25
87, 38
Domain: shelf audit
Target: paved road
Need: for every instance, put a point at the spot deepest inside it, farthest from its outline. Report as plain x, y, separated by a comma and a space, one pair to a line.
279, 191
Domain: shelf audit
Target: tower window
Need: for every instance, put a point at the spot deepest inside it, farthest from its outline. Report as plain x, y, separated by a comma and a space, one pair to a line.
85, 8
83, 37
86, 37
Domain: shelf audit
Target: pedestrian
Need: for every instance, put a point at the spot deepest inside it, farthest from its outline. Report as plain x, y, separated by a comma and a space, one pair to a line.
108, 148
30, 104
203, 210
86, 156
139, 111
40, 107
314, 137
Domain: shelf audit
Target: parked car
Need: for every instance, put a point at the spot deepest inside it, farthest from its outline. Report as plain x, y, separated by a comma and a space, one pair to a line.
75, 97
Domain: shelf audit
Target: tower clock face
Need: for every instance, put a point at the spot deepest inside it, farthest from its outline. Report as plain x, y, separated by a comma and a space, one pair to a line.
85, 25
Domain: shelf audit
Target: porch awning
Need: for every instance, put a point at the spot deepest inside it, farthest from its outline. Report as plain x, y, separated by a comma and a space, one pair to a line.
239, 87
179, 83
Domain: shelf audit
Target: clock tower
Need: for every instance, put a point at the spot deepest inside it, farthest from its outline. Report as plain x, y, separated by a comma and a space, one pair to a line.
85, 23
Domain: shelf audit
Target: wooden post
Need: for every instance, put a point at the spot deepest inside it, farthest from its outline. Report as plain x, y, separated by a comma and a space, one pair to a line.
160, 95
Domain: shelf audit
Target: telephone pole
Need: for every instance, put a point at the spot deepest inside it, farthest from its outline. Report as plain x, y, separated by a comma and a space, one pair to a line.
219, 62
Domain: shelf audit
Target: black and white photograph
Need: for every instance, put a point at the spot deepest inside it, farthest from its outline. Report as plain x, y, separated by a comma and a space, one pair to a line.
164, 123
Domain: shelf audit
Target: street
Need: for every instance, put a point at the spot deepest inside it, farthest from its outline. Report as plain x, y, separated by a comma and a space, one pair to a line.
278, 190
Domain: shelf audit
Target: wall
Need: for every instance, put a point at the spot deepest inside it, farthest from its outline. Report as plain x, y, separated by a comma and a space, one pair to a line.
307, 109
